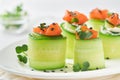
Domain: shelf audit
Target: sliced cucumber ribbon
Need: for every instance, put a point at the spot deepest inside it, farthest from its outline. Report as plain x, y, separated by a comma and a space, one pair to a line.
111, 31
70, 27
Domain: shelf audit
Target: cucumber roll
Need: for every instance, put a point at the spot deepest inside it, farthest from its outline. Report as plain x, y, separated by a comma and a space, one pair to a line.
97, 17
73, 20
88, 48
47, 47
110, 35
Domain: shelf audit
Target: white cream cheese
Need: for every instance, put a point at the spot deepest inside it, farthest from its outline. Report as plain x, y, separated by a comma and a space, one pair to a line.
112, 31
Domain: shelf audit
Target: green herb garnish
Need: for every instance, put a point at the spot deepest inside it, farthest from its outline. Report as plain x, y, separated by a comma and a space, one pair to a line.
74, 20
43, 25
21, 53
77, 67
85, 66
85, 35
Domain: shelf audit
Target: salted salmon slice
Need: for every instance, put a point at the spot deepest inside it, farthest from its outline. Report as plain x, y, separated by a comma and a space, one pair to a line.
53, 30
114, 19
99, 14
81, 17
69, 15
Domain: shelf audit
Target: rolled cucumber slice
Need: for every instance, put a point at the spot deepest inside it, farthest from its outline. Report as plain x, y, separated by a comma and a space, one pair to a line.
46, 53
96, 24
111, 45
107, 24
90, 51
70, 39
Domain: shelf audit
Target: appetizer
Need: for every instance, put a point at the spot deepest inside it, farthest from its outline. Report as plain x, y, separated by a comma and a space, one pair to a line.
110, 35
72, 21
46, 47
88, 49
97, 17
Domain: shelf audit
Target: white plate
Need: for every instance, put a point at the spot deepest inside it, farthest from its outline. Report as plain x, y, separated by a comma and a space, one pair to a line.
8, 62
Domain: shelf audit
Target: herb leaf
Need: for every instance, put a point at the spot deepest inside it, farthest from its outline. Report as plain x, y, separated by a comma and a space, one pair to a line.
85, 35
18, 49
24, 59
85, 66
20, 58
76, 67
24, 47
74, 20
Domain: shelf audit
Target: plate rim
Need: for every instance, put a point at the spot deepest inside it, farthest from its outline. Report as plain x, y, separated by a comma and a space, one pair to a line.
59, 75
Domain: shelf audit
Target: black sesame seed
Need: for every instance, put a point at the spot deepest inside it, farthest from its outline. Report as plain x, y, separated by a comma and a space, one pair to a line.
113, 13
53, 71
61, 70
44, 70
66, 66
100, 11
107, 58
97, 68
52, 29
53, 23
91, 28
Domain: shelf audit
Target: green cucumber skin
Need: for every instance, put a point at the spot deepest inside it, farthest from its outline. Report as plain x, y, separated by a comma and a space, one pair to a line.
107, 24
91, 51
111, 45
70, 42
42, 37
46, 54
96, 24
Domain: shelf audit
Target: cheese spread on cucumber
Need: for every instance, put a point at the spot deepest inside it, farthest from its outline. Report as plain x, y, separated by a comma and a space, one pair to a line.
112, 25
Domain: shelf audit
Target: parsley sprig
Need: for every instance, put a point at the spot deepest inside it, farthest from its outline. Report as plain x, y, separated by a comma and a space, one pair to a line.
21, 53
84, 67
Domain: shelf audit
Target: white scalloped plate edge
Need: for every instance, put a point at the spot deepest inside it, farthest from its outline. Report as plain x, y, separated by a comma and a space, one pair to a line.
8, 62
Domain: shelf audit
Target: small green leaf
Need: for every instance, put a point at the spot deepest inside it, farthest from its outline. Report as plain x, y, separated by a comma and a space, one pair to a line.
81, 35
76, 67
74, 20
24, 47
20, 58
18, 49
86, 64
85, 35
25, 59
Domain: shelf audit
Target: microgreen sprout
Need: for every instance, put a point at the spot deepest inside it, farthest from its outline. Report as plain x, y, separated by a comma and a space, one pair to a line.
84, 67
76, 67
74, 20
21, 53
